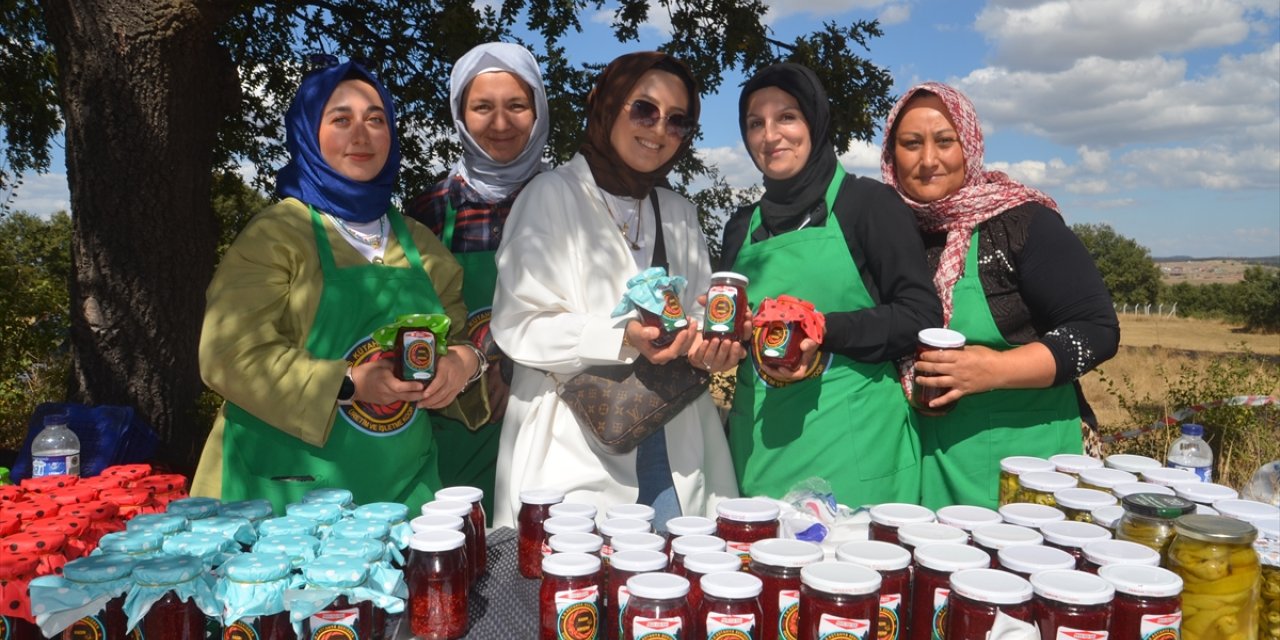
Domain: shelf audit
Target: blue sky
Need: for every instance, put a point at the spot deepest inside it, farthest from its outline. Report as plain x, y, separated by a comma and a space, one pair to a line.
1160, 118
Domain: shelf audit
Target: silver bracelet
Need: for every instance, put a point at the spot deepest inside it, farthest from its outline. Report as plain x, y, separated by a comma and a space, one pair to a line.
484, 365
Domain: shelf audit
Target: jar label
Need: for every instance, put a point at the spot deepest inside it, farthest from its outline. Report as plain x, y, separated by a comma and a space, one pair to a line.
623, 596
940, 613
578, 613
242, 629
776, 338
1205, 473
723, 626
722, 308
55, 465
889, 624
789, 614
656, 628
1067, 633
419, 355
339, 624
836, 628
742, 549
88, 628
1163, 626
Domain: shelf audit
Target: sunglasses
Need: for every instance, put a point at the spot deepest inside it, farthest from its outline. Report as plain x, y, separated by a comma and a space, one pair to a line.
319, 61
647, 114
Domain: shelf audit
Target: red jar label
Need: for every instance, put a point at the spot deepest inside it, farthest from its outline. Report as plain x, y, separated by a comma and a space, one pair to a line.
339, 624
836, 628
725, 626
656, 628
1067, 633
1162, 627
789, 614
419, 355
743, 551
578, 614
889, 624
940, 613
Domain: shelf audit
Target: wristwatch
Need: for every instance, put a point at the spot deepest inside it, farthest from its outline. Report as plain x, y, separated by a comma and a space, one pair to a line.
347, 392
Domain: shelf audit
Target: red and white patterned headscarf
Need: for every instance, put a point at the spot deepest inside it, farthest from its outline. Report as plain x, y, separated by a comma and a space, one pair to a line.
983, 195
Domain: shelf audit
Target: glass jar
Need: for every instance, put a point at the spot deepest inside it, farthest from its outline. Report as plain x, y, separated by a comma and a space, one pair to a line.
778, 562
251, 592
892, 562
966, 517
462, 511
479, 556
838, 598
699, 565
1131, 463
1034, 516
580, 509
569, 600
1219, 568
1073, 537
616, 527
534, 504
729, 607
1025, 561
1039, 487
282, 526
1122, 491
934, 565
1108, 517
1169, 477
435, 523
137, 544
1109, 552
576, 543
727, 308
914, 536
992, 538
647, 541
1013, 466
1268, 547
690, 526
1078, 504
689, 545
1073, 463
933, 339
1147, 602
658, 608
1104, 479
977, 595
888, 517
99, 584
1148, 519
1072, 604
178, 588
341, 497
563, 524
631, 511
1247, 510
623, 566
438, 579
743, 521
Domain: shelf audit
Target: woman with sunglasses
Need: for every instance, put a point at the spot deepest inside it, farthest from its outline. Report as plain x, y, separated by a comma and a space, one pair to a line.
574, 238
500, 111
849, 246
310, 400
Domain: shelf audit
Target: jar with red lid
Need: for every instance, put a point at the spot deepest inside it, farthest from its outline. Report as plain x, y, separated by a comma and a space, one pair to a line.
699, 565
1026, 514
1073, 537
778, 563
934, 565
1013, 466
563, 524
129, 472
893, 564
534, 504
129, 501
616, 527
1148, 602
580, 509
45, 546
1109, 552
888, 517
165, 488
978, 595
914, 536
933, 339
727, 308
1024, 561
1078, 504
462, 511
479, 557
658, 608
576, 543
16, 571
623, 566
1071, 604
569, 603
49, 484
171, 597
729, 607
438, 579
689, 545
967, 517
743, 521
839, 599
994, 537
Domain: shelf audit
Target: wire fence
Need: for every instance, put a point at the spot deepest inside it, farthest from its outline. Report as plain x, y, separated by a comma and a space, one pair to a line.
1160, 310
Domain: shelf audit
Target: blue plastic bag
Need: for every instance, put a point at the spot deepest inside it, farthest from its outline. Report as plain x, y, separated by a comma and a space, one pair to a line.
108, 436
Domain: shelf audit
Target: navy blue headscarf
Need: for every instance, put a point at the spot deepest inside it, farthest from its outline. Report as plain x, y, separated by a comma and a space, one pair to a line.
308, 177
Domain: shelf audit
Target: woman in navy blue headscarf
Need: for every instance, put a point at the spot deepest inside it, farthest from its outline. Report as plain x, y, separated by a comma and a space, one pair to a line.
310, 401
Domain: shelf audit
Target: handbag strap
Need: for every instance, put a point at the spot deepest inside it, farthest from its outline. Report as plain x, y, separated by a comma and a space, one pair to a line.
659, 245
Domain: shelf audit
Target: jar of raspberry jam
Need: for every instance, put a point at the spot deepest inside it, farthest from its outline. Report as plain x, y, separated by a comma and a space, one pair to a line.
1073, 537
102, 580
580, 509
563, 524
727, 308
892, 563
839, 598
888, 517
658, 609
435, 523
729, 607
743, 521
180, 595
1105, 479
1148, 602
631, 512
914, 536
933, 339
699, 565
1072, 604
589, 543
688, 545
479, 558
462, 511
534, 506
778, 562
967, 518
617, 527
1078, 504
934, 565
569, 603
994, 537
623, 566
1024, 561
690, 526
251, 590
646, 541
978, 595
1013, 466
438, 579
1025, 514
1109, 552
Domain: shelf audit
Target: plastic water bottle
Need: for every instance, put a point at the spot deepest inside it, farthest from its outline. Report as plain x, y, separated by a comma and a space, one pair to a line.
1192, 453
56, 449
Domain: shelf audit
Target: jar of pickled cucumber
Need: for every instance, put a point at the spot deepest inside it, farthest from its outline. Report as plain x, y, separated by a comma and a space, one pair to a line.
1078, 504
1038, 487
1073, 463
1108, 517
1268, 547
1130, 488
1205, 493
1219, 568
1104, 479
1014, 466
1131, 463
1148, 519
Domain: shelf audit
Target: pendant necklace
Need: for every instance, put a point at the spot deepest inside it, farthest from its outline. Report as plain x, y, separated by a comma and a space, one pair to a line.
370, 239
624, 227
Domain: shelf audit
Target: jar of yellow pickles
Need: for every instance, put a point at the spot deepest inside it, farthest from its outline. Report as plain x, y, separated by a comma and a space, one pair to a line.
1268, 547
1104, 479
1131, 463
1078, 504
1219, 568
1148, 519
1038, 487
1073, 463
1014, 466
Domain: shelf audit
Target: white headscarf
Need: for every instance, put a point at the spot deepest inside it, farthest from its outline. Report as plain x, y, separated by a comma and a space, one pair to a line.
495, 181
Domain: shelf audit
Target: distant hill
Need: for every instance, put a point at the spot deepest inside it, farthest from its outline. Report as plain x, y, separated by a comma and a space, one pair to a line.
1209, 270
1272, 261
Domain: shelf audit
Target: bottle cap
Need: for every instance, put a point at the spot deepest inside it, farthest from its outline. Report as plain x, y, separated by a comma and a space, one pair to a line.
990, 585
1215, 529
1191, 429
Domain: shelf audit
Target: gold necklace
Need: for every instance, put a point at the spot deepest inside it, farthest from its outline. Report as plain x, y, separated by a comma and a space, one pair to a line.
625, 227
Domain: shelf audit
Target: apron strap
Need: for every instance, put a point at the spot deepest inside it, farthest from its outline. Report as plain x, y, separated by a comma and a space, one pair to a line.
405, 238
327, 264
450, 219
833, 189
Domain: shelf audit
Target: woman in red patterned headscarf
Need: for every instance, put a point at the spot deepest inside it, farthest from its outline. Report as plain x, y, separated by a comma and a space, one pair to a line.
1013, 279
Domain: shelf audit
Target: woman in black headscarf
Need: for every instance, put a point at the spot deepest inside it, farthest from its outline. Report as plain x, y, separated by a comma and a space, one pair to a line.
850, 247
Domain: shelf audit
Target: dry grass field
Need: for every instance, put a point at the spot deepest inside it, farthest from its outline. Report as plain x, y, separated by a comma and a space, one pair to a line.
1203, 271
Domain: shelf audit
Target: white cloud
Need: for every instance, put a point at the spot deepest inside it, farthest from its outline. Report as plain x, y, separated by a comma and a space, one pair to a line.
862, 158
894, 14
734, 164
1094, 161
1221, 168
42, 194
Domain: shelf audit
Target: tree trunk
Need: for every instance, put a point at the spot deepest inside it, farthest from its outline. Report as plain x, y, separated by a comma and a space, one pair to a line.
144, 87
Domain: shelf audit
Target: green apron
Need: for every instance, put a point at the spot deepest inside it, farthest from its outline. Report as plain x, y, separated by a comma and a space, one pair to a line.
380, 453
962, 449
471, 456
848, 422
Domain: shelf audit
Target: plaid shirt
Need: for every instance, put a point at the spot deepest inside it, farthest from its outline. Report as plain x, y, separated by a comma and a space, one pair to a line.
477, 225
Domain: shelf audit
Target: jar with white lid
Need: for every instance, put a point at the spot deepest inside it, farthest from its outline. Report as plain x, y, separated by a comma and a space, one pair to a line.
1072, 536
580, 509
931, 586
1011, 467
730, 606
1247, 510
535, 504
1073, 463
1215, 558
658, 607
691, 526
576, 543
994, 537
978, 595
1108, 552
622, 566
914, 536
893, 563
1148, 602
778, 562
1132, 463
1025, 561
1104, 479
646, 541
838, 598
685, 546
705, 563
435, 523
1039, 487
1130, 488
1168, 477
1108, 517
473, 496
1078, 504
563, 524
967, 517
631, 511
1072, 604
616, 527
569, 597
743, 521
1205, 493
888, 517
1026, 514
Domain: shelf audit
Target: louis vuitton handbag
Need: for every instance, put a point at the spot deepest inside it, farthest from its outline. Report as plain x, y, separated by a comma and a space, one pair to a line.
621, 405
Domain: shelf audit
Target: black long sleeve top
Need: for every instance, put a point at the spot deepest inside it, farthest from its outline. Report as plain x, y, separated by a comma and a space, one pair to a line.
885, 244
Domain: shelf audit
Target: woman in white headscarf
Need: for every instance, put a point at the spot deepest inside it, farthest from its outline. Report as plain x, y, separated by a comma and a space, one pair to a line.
500, 110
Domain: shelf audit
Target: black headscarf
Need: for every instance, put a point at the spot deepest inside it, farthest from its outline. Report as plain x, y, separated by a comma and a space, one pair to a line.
785, 201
